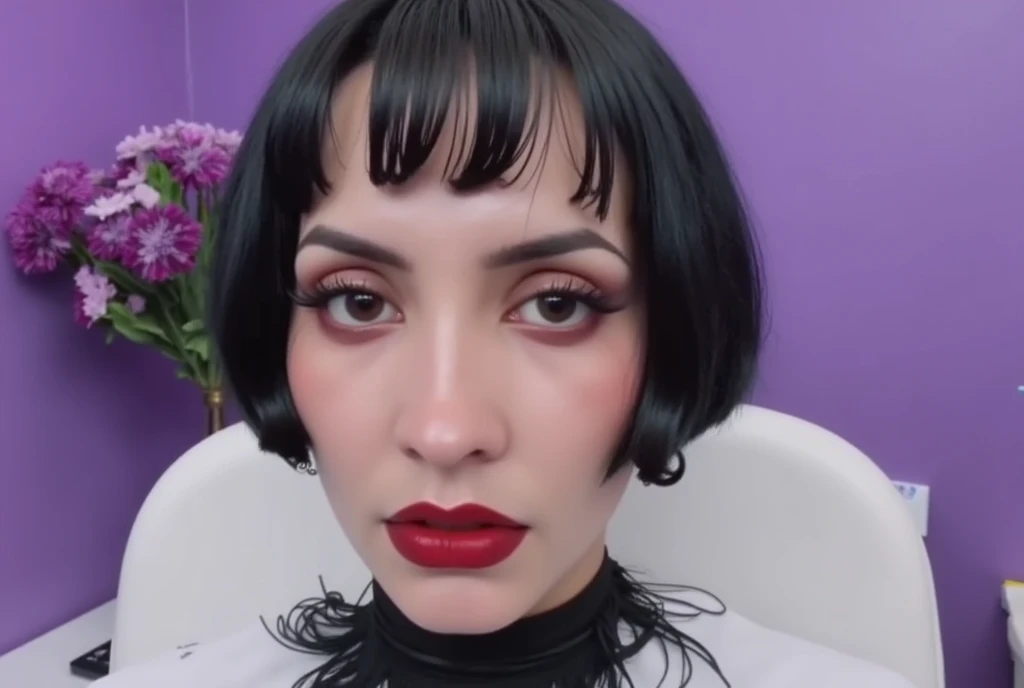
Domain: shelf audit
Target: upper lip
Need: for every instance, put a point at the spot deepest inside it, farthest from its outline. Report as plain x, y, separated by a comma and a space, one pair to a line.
463, 515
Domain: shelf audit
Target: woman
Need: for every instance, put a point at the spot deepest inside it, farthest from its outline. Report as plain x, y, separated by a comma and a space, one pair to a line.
485, 260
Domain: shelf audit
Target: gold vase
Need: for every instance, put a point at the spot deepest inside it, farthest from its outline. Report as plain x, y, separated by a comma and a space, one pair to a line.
214, 398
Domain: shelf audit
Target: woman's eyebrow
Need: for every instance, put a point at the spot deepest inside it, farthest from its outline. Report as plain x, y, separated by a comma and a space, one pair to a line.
552, 245
546, 246
344, 242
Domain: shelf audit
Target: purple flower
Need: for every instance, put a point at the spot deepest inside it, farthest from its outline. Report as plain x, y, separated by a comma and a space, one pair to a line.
126, 169
141, 145
37, 237
100, 179
66, 187
78, 311
136, 304
194, 158
228, 140
93, 292
108, 240
162, 243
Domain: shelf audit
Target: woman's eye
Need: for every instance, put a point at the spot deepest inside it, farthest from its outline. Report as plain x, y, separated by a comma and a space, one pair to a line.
358, 309
559, 310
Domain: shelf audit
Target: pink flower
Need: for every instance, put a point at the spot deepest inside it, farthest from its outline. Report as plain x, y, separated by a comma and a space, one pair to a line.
194, 159
145, 195
125, 169
66, 187
133, 183
162, 243
107, 206
228, 140
136, 304
37, 237
140, 145
94, 292
131, 178
108, 240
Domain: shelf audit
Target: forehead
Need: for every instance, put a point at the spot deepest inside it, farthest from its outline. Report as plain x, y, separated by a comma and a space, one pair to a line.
540, 184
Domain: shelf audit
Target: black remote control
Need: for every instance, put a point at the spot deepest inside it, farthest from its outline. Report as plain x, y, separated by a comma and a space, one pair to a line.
94, 664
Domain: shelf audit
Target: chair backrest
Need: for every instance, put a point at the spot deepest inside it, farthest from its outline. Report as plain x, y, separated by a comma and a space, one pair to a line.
797, 529
788, 523
228, 533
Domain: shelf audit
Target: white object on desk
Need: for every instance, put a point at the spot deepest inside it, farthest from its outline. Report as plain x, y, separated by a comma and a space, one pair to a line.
1013, 602
45, 662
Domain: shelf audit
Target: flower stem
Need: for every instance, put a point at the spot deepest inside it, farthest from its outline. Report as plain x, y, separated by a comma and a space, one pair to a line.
174, 333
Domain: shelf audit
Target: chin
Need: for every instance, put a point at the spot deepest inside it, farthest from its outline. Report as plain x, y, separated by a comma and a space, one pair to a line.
455, 605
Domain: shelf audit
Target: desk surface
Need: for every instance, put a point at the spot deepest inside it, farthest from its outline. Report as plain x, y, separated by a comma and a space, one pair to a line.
43, 662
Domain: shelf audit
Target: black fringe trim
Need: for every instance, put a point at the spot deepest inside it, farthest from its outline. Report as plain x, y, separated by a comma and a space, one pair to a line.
361, 653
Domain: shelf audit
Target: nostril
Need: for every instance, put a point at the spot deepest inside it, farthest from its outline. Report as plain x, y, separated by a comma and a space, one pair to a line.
411, 453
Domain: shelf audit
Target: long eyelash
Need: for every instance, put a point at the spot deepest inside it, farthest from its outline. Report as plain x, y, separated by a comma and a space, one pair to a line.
587, 294
322, 293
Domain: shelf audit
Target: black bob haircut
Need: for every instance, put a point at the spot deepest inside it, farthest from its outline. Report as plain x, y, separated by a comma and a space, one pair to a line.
696, 260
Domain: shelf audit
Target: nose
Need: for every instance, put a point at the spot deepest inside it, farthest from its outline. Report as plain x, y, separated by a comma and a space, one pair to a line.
449, 415
447, 432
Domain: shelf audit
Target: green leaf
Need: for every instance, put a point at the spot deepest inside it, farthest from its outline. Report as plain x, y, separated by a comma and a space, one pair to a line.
142, 322
140, 332
200, 345
158, 176
133, 334
110, 336
188, 291
193, 326
124, 279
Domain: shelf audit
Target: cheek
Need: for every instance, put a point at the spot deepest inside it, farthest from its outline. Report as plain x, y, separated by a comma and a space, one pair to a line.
310, 374
581, 400
326, 385
599, 381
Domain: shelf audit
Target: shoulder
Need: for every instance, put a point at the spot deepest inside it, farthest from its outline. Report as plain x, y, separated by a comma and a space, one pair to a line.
753, 656
251, 658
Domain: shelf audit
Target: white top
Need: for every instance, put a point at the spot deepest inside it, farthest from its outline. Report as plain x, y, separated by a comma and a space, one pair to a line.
749, 655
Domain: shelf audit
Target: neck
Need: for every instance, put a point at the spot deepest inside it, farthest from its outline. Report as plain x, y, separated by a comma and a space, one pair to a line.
573, 582
521, 644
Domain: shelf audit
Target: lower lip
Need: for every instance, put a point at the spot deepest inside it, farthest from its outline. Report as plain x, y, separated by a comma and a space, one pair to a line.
435, 548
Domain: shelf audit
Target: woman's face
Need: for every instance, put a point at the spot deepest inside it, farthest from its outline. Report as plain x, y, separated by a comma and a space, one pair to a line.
458, 356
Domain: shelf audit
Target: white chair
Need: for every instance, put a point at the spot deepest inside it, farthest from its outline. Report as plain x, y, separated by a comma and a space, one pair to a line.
228, 533
797, 529
788, 523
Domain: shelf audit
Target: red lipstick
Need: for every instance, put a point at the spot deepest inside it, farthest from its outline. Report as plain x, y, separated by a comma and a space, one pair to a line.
470, 536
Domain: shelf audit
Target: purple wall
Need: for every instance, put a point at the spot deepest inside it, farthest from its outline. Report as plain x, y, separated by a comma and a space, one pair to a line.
86, 429
880, 145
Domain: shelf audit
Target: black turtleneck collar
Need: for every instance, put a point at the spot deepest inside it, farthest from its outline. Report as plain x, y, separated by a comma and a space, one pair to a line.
583, 643
538, 646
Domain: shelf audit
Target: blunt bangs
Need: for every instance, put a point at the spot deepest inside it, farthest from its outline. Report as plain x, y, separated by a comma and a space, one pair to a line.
695, 257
